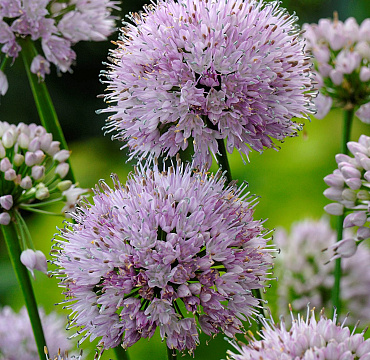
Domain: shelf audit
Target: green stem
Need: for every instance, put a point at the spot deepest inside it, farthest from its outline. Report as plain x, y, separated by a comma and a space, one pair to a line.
171, 353
44, 104
121, 353
14, 250
347, 122
4, 63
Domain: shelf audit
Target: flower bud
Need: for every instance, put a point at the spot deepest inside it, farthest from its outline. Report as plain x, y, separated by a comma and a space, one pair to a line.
334, 180
42, 192
4, 218
195, 288
38, 172
30, 158
8, 139
334, 209
349, 195
34, 260
45, 141
40, 156
344, 248
355, 147
18, 159
365, 163
342, 157
62, 155
2, 150
64, 185
23, 140
62, 170
357, 218
364, 74
367, 176
6, 202
26, 183
333, 194
3, 83
354, 183
34, 145
363, 195
5, 164
336, 76
54, 148
183, 291
363, 233
10, 175
350, 172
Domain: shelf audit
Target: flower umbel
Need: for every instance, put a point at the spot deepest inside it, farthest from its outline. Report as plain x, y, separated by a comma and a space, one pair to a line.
17, 339
204, 71
32, 168
307, 340
341, 58
159, 251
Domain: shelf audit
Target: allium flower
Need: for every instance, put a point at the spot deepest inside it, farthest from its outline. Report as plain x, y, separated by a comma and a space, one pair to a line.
306, 340
349, 187
159, 250
341, 56
63, 356
58, 24
204, 71
305, 276
30, 169
17, 340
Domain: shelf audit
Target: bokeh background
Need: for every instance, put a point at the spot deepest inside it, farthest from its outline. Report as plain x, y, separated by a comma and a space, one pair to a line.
288, 182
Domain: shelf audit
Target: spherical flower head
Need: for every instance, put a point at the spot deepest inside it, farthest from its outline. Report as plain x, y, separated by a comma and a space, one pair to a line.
349, 187
341, 55
306, 339
57, 24
17, 340
158, 251
306, 276
29, 165
203, 71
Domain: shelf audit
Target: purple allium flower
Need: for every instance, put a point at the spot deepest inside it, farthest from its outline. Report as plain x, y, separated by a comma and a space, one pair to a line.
341, 56
17, 340
30, 166
349, 187
63, 356
202, 71
57, 24
305, 276
306, 339
158, 251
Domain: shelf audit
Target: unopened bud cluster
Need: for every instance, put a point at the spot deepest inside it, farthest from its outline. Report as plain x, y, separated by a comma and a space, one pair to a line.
32, 169
349, 187
341, 55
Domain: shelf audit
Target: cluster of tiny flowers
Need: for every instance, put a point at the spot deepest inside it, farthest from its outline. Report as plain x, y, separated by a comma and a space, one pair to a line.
63, 356
341, 55
59, 24
17, 340
204, 71
349, 188
159, 251
305, 276
32, 167
306, 340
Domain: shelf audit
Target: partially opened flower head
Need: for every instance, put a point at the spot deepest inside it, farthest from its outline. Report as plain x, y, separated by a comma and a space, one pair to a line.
199, 72
32, 168
341, 54
307, 339
349, 187
174, 250
306, 275
17, 340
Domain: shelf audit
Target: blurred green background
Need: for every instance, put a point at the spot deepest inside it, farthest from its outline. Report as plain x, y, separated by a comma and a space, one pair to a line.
289, 182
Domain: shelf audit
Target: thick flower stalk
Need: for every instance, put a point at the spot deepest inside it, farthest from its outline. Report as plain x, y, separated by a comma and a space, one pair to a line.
17, 340
32, 168
341, 54
57, 25
308, 339
349, 189
305, 276
203, 71
174, 250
